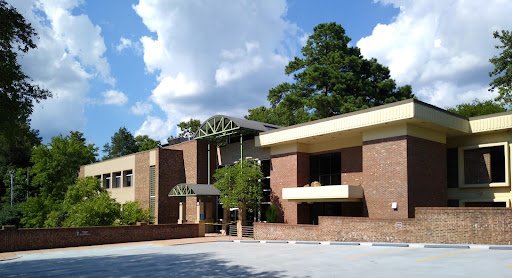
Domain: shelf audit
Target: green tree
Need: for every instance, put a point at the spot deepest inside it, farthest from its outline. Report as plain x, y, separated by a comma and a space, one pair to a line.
17, 92
187, 129
55, 168
121, 143
477, 108
131, 213
56, 165
240, 185
502, 72
88, 204
145, 143
9, 215
330, 78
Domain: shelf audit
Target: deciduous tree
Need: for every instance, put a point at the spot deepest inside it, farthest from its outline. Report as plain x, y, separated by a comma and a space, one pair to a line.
477, 108
502, 72
145, 143
240, 185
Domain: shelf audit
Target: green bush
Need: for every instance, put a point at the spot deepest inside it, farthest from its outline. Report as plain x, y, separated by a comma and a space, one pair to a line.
10, 215
131, 213
272, 213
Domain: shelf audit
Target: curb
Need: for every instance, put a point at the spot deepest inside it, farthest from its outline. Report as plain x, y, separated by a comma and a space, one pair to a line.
380, 244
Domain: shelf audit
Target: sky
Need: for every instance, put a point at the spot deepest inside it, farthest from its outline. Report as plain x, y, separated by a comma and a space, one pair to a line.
148, 64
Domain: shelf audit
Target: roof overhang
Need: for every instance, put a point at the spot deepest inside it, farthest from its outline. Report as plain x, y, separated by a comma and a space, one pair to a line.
221, 126
186, 189
410, 111
326, 193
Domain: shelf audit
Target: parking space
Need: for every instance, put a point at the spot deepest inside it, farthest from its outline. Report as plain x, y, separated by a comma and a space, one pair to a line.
239, 259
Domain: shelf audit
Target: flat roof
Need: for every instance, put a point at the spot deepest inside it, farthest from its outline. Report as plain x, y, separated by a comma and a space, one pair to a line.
406, 111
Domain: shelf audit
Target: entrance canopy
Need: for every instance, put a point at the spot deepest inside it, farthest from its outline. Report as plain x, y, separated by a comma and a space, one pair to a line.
187, 189
326, 193
220, 126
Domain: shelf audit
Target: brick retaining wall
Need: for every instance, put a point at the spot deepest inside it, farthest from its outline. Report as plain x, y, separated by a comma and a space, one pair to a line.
431, 225
31, 239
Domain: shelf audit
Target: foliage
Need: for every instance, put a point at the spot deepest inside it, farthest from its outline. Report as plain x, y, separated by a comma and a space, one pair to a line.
477, 108
121, 143
145, 143
21, 184
272, 213
17, 92
331, 78
239, 184
131, 213
88, 204
187, 129
502, 72
35, 211
9, 215
57, 164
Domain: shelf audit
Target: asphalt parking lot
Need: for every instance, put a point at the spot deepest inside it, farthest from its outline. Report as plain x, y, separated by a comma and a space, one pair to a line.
252, 259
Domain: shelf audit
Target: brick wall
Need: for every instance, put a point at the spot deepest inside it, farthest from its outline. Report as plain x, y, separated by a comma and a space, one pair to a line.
189, 149
170, 172
195, 160
31, 239
431, 225
288, 170
426, 167
352, 165
385, 177
141, 173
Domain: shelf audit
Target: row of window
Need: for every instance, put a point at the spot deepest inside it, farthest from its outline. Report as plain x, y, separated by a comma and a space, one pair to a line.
116, 179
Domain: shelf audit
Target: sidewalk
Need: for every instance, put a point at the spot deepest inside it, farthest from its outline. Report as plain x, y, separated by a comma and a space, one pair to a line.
169, 242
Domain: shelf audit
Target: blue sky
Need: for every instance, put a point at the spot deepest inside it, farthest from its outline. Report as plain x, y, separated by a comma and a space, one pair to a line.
148, 65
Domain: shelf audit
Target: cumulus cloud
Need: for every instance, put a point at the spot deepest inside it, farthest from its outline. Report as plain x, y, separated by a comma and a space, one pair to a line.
123, 44
69, 54
441, 48
114, 97
141, 108
214, 57
155, 127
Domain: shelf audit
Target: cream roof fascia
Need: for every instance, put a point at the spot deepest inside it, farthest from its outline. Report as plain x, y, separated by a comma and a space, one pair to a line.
493, 122
406, 110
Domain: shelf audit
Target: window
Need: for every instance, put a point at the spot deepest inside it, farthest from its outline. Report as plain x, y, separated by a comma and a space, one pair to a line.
485, 165
128, 178
325, 168
452, 165
106, 180
265, 168
117, 180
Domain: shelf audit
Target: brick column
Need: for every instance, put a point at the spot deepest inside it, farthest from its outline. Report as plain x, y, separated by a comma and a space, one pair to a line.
288, 170
403, 169
385, 177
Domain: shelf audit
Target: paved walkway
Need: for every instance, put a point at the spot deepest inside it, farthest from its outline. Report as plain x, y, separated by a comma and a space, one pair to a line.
169, 242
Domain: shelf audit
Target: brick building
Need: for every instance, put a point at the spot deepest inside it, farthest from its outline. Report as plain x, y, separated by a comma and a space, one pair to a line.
379, 163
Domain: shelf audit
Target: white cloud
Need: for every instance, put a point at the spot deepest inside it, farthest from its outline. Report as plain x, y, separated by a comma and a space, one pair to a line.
155, 127
441, 48
213, 57
124, 43
141, 108
113, 97
70, 52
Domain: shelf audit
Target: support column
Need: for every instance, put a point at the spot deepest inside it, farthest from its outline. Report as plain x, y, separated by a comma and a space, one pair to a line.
180, 219
199, 209
241, 150
209, 162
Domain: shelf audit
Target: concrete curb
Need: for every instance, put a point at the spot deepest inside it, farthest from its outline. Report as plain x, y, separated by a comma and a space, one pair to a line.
380, 244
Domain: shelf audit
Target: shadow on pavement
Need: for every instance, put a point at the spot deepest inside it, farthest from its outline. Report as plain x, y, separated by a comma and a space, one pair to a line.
149, 265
